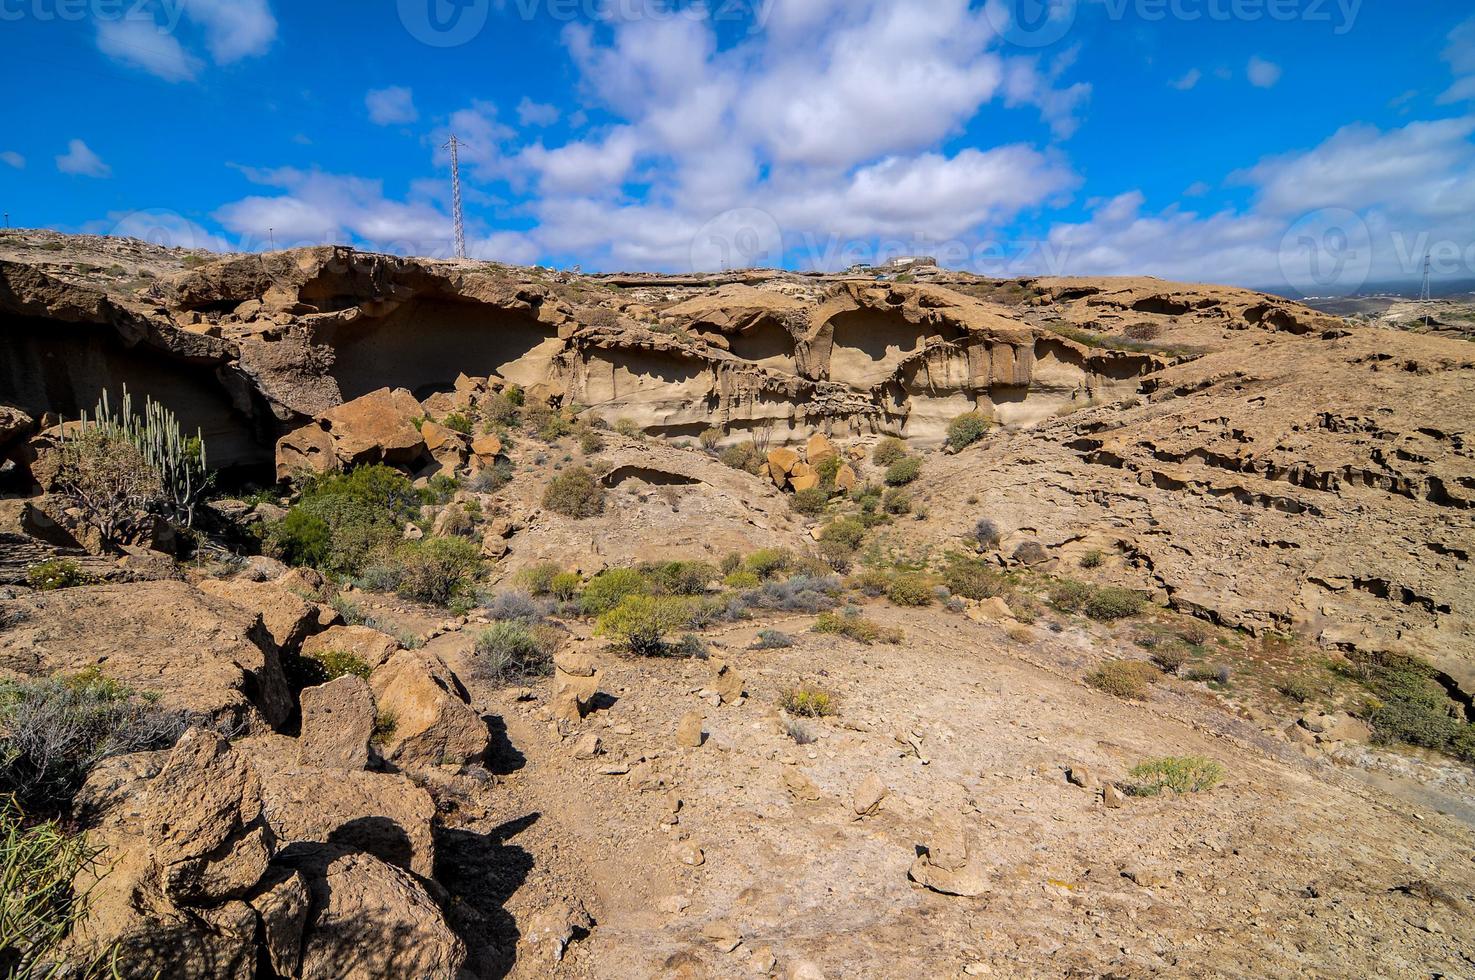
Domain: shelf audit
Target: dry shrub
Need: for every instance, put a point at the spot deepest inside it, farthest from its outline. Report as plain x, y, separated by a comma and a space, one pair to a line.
1130, 679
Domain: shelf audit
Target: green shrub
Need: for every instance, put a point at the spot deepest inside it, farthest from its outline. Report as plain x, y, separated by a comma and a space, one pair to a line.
565, 586
1068, 595
773, 640
679, 577
767, 563
744, 456
514, 652
538, 579
340, 520
53, 731
609, 588
1298, 689
903, 471
807, 702
59, 573
974, 578
640, 623
629, 428
1177, 774
458, 422
742, 580
810, 502
1411, 706
1093, 559
1106, 605
967, 429
575, 493
852, 625
1169, 658
433, 570
1129, 679
888, 451
501, 409
909, 590
828, 469
846, 533
897, 501
38, 905
591, 442
304, 671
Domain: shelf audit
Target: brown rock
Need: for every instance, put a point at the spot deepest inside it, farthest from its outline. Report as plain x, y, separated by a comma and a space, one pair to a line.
377, 428
781, 463
1113, 797
486, 448
384, 814
287, 617
306, 450
369, 645
551, 929
1080, 775
806, 482
846, 478
689, 734
800, 785
949, 866
818, 449
337, 723
282, 903
433, 722
867, 796
726, 681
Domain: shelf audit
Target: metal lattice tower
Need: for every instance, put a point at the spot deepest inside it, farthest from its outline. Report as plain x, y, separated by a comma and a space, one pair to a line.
1425, 295
455, 146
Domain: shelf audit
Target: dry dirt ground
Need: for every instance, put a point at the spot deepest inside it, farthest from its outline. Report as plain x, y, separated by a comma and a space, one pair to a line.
1292, 867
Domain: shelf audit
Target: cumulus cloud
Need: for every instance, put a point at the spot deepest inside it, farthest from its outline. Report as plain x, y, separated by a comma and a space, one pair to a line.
147, 35
13, 159
1460, 53
1187, 80
81, 161
530, 113
391, 106
1262, 73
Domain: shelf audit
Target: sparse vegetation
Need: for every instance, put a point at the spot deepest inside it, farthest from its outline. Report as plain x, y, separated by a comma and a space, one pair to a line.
1176, 774
772, 640
810, 502
904, 471
640, 623
854, 626
974, 578
58, 573
986, 533
340, 520
609, 588
967, 429
1130, 679
514, 652
1108, 604
711, 438
434, 570
1094, 558
807, 701
909, 590
575, 493
1169, 658
888, 451
744, 456
1409, 705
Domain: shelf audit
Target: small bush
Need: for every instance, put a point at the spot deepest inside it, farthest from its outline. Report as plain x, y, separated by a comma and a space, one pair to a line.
1213, 676
773, 640
909, 590
852, 625
458, 422
565, 586
897, 501
1169, 658
986, 533
386, 723
575, 493
609, 588
769, 562
1177, 774
846, 533
810, 502
1093, 559
514, 652
903, 471
967, 429
327, 666
888, 451
38, 905
509, 606
679, 577
340, 520
54, 731
51, 576
798, 594
711, 438
640, 623
1106, 605
591, 443
433, 570
1298, 689
1070, 596
974, 578
742, 580
745, 456
490, 479
1129, 679
538, 579
1411, 706
807, 702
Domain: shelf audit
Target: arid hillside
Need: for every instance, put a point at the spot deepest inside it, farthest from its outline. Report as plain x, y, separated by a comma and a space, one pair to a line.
439, 619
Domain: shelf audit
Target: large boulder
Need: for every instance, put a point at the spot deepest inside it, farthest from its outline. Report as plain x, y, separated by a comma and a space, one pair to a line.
337, 724
434, 723
383, 814
199, 653
288, 617
377, 428
371, 921
369, 645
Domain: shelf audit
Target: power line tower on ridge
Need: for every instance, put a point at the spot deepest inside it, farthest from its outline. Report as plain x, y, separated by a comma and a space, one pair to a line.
455, 146
1424, 294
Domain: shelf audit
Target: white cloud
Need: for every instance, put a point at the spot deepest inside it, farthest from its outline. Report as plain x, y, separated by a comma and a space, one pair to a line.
81, 161
584, 167
1196, 189
1262, 73
512, 247
14, 159
1460, 53
141, 43
1189, 79
531, 113
391, 106
234, 29
147, 36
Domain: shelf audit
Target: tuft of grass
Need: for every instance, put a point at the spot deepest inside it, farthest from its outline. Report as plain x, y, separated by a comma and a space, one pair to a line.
386, 723
38, 905
966, 429
1094, 558
514, 651
59, 573
903, 471
575, 493
1176, 774
807, 701
1129, 679
853, 626
773, 640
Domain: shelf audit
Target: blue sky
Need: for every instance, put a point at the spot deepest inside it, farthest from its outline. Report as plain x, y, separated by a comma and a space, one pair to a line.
1304, 145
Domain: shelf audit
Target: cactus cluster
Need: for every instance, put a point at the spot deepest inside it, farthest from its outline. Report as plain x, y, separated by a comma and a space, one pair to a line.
178, 459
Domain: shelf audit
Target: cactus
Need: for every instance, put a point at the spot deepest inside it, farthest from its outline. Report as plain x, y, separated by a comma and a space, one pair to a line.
179, 460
